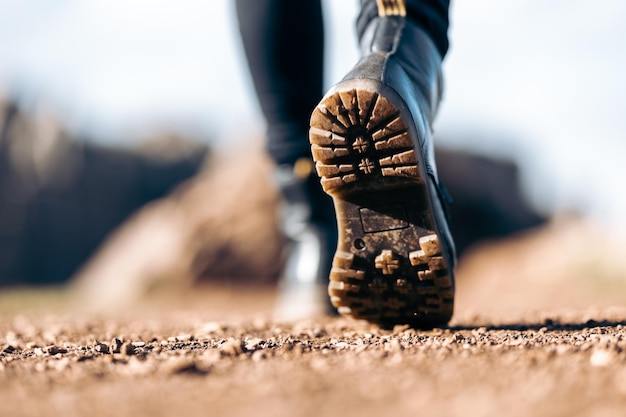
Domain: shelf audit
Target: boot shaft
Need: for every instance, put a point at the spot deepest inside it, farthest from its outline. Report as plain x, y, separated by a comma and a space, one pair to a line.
430, 15
393, 45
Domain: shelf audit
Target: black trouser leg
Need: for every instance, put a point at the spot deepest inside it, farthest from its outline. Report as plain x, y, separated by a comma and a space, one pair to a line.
283, 42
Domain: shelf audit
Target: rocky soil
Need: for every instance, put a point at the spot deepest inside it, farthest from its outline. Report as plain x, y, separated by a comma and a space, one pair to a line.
218, 352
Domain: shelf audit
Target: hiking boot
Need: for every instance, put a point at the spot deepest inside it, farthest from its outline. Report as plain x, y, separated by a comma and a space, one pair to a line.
371, 141
307, 220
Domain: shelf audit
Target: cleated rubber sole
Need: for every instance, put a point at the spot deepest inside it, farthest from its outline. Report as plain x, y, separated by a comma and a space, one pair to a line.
389, 267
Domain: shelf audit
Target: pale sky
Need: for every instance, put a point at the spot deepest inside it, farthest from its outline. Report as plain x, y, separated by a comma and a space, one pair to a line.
539, 81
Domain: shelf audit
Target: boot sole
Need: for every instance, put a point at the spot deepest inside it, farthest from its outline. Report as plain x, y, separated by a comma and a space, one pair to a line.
389, 267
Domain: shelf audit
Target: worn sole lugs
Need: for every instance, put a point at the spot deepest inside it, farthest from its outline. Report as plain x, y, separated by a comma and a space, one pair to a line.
389, 266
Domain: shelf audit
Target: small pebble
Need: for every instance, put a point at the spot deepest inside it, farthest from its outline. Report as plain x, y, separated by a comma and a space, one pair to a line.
399, 328
211, 356
395, 345
54, 350
116, 345
231, 347
127, 349
8, 349
186, 366
101, 347
253, 344
601, 358
210, 327
60, 365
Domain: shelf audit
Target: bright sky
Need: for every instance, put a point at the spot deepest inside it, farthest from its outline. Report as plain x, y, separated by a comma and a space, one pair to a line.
540, 81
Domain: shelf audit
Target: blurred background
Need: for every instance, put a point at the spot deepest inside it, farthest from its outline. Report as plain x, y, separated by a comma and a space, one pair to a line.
106, 106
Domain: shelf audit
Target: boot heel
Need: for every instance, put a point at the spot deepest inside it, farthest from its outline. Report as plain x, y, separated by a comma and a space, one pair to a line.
358, 135
389, 267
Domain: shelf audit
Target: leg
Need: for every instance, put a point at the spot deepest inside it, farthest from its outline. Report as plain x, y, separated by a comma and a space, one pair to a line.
283, 42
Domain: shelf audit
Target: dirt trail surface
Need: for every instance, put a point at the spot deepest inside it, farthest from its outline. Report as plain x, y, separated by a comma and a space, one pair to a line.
218, 353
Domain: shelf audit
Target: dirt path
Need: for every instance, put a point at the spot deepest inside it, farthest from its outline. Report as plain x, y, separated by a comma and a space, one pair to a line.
224, 357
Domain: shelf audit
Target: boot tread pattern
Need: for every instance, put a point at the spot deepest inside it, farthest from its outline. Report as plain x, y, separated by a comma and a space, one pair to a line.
358, 134
411, 287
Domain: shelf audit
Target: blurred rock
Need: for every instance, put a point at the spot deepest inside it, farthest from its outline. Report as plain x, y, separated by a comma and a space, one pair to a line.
60, 197
218, 226
487, 201
571, 261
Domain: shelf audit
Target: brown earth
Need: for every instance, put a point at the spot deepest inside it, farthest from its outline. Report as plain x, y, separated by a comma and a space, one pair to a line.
517, 346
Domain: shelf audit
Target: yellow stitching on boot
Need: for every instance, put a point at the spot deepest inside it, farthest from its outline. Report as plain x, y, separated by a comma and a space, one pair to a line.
391, 7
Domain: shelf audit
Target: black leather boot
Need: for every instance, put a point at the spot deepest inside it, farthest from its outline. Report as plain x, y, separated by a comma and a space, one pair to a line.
371, 140
307, 219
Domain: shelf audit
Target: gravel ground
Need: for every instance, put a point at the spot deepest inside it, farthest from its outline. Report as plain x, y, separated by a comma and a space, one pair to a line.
223, 356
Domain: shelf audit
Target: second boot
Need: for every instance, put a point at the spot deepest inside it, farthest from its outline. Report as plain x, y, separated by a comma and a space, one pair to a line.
307, 220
